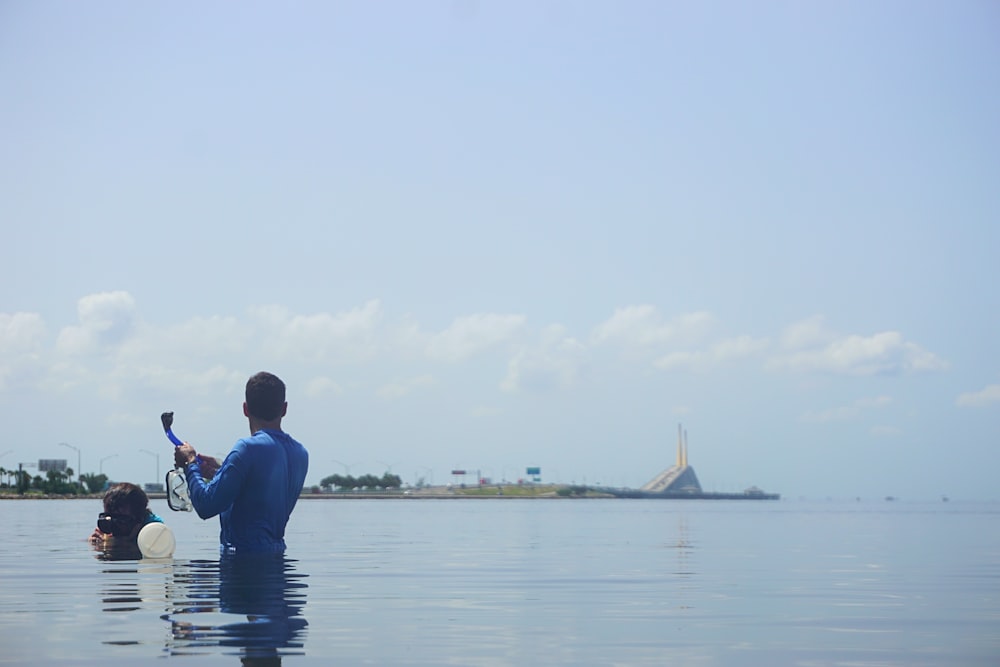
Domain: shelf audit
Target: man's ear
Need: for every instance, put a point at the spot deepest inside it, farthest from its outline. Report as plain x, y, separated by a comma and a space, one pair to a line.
246, 411
284, 409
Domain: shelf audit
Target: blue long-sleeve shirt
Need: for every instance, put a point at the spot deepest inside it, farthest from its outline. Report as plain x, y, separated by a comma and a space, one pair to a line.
253, 492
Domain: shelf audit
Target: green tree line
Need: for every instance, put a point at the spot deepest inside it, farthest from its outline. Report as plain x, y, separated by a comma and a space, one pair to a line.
54, 482
386, 481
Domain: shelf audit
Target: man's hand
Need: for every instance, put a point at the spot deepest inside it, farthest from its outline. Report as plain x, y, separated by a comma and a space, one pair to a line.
184, 455
208, 465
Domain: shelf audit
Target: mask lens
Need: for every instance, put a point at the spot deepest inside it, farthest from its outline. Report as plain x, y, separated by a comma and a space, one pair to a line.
177, 492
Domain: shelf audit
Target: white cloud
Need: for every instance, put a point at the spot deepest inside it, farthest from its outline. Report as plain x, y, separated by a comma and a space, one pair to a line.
732, 349
471, 334
643, 325
847, 412
176, 377
210, 335
408, 340
554, 363
641, 329
977, 399
322, 386
740, 347
20, 332
402, 387
105, 319
675, 360
199, 343
21, 337
880, 354
112, 353
918, 359
199, 356
347, 336
106, 311
119, 419
874, 402
811, 332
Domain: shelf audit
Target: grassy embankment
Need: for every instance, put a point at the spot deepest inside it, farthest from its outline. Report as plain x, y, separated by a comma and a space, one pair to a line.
509, 490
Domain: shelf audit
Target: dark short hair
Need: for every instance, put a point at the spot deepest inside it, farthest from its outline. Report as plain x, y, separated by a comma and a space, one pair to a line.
126, 498
265, 396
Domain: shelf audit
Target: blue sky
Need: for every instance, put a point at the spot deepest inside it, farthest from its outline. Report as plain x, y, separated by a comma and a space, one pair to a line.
492, 235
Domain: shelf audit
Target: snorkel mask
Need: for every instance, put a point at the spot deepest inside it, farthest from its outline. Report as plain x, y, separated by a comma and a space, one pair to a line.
177, 491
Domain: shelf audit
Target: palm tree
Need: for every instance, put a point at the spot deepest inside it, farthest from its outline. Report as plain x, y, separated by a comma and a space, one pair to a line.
23, 480
3, 473
69, 480
94, 482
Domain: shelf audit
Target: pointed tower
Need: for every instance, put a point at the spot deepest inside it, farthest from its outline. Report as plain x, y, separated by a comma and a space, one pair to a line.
685, 459
680, 448
679, 478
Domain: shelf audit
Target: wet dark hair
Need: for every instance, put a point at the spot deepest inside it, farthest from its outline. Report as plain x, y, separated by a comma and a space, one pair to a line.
265, 396
126, 498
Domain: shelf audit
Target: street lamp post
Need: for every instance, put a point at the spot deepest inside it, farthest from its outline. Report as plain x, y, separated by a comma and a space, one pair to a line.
110, 456
146, 451
79, 471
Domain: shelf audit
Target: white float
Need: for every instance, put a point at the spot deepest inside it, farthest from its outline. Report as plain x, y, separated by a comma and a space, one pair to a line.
156, 540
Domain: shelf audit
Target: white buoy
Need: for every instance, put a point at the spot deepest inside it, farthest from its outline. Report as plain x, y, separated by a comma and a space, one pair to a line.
156, 540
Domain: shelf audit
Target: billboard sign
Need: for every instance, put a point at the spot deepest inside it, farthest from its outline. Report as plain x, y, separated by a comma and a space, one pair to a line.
45, 465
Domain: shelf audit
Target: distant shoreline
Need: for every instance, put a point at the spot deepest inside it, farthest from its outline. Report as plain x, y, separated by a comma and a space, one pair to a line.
549, 493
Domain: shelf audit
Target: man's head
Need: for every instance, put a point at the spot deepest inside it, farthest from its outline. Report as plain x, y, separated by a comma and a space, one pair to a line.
265, 397
125, 509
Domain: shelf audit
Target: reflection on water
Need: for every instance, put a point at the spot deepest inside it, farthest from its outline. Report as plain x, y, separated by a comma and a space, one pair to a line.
121, 593
520, 583
250, 606
114, 550
253, 604
684, 571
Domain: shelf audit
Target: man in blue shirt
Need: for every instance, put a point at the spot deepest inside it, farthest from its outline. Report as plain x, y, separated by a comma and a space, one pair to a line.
258, 484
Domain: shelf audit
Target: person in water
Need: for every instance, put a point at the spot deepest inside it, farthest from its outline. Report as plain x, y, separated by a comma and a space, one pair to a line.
126, 511
256, 488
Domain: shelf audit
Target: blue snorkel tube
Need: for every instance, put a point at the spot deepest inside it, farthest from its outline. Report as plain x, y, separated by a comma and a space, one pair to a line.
167, 419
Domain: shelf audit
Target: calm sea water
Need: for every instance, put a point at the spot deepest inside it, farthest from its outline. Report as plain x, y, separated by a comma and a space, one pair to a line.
520, 582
